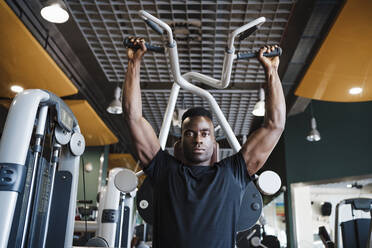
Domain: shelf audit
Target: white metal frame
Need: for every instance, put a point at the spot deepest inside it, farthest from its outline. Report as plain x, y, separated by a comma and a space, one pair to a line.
110, 198
184, 81
13, 149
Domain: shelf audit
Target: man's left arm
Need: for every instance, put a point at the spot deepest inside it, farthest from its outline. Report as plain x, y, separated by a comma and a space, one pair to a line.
261, 142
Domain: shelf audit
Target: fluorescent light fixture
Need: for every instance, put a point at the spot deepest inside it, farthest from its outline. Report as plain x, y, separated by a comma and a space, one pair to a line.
115, 106
259, 108
355, 90
16, 88
55, 11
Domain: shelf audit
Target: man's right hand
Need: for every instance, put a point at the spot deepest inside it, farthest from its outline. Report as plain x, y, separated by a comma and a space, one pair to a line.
136, 55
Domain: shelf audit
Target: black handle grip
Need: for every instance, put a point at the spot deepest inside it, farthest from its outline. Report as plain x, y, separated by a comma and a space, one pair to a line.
157, 49
247, 33
86, 201
154, 26
276, 52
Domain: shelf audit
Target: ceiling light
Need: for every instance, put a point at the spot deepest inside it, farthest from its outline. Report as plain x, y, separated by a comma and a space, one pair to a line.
355, 90
55, 11
314, 134
177, 117
115, 106
259, 108
16, 88
349, 185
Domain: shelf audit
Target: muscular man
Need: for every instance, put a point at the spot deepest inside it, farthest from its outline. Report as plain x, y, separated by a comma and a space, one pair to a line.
196, 204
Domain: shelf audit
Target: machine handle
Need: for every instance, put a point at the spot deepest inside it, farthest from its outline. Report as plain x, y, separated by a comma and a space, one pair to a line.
154, 26
157, 49
247, 33
85, 201
276, 52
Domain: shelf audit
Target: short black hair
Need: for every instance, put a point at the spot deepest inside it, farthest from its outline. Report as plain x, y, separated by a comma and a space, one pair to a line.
197, 111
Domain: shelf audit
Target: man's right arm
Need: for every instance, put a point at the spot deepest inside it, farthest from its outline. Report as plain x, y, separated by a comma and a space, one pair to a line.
144, 138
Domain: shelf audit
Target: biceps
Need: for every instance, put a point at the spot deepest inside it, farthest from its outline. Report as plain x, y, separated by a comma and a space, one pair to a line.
144, 139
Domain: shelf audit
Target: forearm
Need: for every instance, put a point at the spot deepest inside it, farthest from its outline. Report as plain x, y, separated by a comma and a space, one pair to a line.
275, 102
132, 103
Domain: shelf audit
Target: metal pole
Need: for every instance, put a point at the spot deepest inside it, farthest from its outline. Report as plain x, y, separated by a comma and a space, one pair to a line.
39, 136
55, 157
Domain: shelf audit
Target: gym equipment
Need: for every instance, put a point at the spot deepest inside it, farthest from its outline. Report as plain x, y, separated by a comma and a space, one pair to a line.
115, 211
254, 237
248, 208
369, 242
355, 232
324, 236
86, 212
142, 231
158, 49
38, 185
128, 44
249, 238
326, 209
126, 181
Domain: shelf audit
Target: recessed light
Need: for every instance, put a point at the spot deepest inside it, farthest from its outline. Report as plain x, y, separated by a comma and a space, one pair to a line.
16, 88
355, 90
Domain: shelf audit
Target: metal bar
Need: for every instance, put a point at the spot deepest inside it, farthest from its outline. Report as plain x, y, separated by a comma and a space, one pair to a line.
164, 131
39, 136
55, 157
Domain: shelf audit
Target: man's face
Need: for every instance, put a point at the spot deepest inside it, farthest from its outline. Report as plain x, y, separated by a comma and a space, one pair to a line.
197, 140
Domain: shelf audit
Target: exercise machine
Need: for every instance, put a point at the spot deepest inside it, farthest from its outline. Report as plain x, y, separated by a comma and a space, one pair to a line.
257, 237
115, 214
40, 151
325, 238
270, 183
356, 232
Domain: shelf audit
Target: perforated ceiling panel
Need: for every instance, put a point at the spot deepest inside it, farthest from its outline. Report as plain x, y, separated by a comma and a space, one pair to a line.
200, 28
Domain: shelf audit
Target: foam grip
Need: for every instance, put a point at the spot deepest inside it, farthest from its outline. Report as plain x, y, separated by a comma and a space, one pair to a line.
157, 49
247, 33
154, 26
276, 52
85, 201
